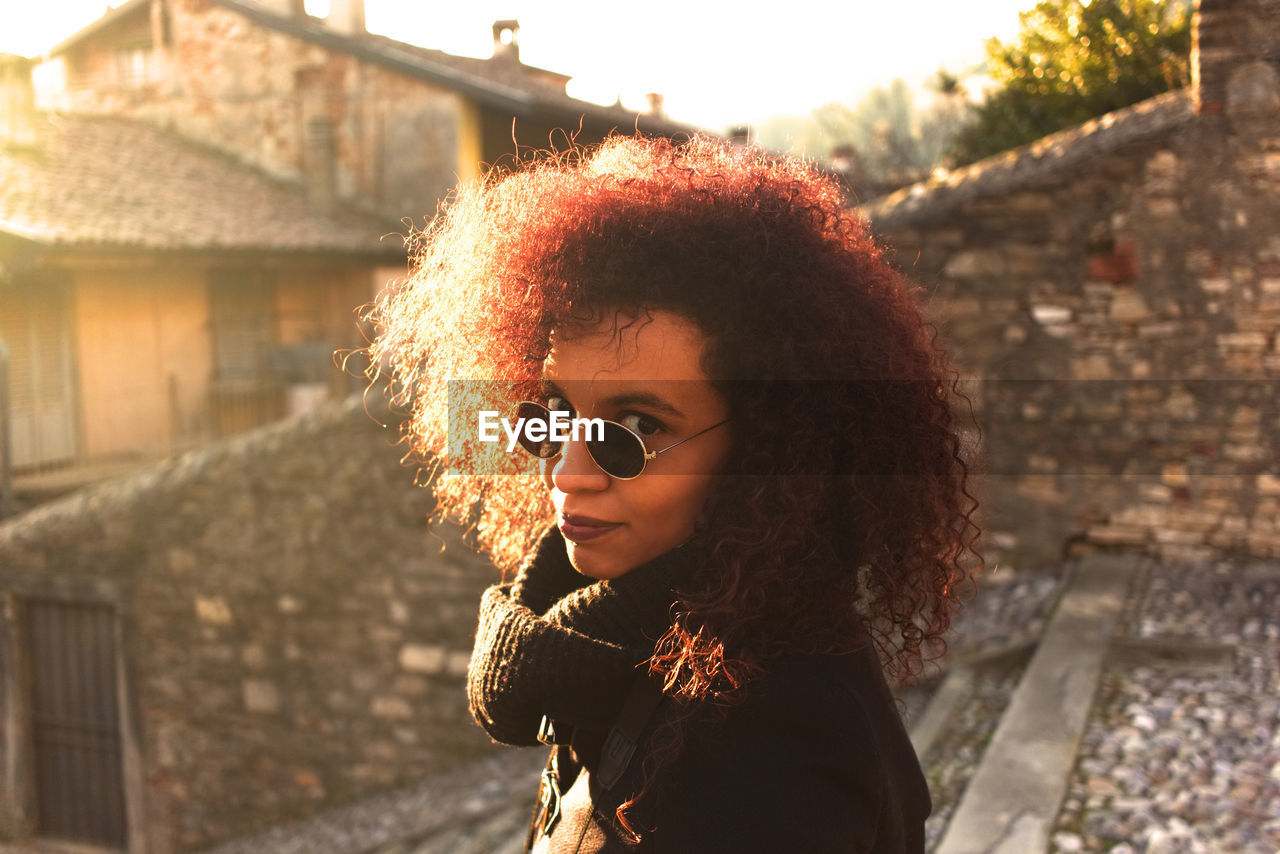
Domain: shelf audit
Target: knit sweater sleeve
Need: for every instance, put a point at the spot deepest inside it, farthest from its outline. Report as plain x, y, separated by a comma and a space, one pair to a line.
574, 662
524, 666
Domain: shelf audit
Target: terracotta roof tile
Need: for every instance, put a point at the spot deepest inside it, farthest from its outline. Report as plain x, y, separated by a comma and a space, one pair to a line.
112, 183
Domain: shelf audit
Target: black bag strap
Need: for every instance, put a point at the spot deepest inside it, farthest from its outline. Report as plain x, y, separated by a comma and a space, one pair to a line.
616, 753
620, 745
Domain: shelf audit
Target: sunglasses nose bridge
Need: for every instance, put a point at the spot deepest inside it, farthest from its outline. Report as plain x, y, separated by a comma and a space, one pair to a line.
575, 460
594, 447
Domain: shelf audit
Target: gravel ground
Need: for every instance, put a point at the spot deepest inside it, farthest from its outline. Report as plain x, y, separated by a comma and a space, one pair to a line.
474, 796
1009, 611
1182, 752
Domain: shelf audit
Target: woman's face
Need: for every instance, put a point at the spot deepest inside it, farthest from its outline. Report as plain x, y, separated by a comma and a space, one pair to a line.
647, 377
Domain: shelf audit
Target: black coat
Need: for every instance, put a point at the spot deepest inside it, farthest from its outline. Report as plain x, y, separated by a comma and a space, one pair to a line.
814, 760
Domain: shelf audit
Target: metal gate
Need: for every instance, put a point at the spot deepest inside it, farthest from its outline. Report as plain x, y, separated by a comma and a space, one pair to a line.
76, 722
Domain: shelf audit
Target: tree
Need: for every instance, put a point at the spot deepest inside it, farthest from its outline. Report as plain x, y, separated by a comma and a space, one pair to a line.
883, 128
944, 119
1074, 60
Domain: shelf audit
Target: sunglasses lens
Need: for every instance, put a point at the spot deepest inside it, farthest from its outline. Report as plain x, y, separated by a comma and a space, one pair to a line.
536, 413
620, 454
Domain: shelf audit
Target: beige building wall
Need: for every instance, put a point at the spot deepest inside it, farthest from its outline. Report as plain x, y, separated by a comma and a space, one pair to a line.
321, 309
143, 358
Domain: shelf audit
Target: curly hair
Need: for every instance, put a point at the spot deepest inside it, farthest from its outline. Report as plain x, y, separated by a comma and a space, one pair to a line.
846, 518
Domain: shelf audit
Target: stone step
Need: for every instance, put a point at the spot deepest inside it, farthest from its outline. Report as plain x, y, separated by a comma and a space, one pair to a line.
1010, 804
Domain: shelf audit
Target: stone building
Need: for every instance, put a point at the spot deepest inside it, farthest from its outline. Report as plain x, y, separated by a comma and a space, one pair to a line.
361, 117
259, 629
238, 637
243, 161
1113, 294
155, 293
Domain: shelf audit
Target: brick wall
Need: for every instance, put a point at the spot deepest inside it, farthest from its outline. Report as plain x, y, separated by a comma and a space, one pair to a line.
291, 635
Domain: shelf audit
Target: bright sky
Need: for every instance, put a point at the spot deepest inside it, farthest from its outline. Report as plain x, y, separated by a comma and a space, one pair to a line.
716, 64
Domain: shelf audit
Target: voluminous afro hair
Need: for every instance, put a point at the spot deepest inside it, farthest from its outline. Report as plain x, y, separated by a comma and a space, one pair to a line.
845, 516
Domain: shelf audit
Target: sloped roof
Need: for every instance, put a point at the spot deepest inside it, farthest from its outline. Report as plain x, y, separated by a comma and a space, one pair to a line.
109, 17
111, 183
496, 83
1032, 165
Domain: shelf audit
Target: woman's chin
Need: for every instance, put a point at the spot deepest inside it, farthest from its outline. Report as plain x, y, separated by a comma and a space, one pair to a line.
595, 561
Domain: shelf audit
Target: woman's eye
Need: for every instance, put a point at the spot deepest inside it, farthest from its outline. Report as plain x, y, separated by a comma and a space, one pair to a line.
556, 403
640, 424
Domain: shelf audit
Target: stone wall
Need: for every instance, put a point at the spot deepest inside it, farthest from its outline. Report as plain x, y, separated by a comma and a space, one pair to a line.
291, 635
1113, 293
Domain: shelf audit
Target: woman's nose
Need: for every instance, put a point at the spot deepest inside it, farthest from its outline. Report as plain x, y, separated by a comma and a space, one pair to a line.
575, 471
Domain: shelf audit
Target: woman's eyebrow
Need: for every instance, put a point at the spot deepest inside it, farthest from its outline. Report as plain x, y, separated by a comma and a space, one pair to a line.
643, 398
620, 400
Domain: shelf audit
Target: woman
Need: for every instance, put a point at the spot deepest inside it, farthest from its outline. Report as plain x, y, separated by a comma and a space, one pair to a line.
770, 513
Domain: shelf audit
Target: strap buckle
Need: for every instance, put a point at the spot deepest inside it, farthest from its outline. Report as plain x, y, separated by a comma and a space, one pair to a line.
549, 796
550, 736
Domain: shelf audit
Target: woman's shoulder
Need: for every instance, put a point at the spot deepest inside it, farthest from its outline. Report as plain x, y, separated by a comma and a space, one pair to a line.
840, 689
834, 709
815, 758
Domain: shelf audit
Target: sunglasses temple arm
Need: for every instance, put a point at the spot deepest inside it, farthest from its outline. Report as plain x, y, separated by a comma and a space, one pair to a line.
652, 454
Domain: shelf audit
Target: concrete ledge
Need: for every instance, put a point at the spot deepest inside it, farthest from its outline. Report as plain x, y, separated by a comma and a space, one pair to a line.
1010, 804
953, 691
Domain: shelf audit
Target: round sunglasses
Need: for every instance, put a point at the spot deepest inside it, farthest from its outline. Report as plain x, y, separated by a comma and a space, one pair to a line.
619, 451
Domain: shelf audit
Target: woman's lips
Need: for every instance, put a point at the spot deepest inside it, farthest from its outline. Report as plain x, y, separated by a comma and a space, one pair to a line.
579, 529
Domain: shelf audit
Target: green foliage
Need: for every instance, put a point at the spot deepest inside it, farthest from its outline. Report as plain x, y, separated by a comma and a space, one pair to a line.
892, 142
1074, 60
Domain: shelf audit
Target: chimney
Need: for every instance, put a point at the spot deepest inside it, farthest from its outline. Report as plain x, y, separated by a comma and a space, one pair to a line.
347, 16
506, 44
320, 166
17, 101
1235, 56
654, 100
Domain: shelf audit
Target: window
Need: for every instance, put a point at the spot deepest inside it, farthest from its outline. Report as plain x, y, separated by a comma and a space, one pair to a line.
246, 392
242, 310
133, 66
